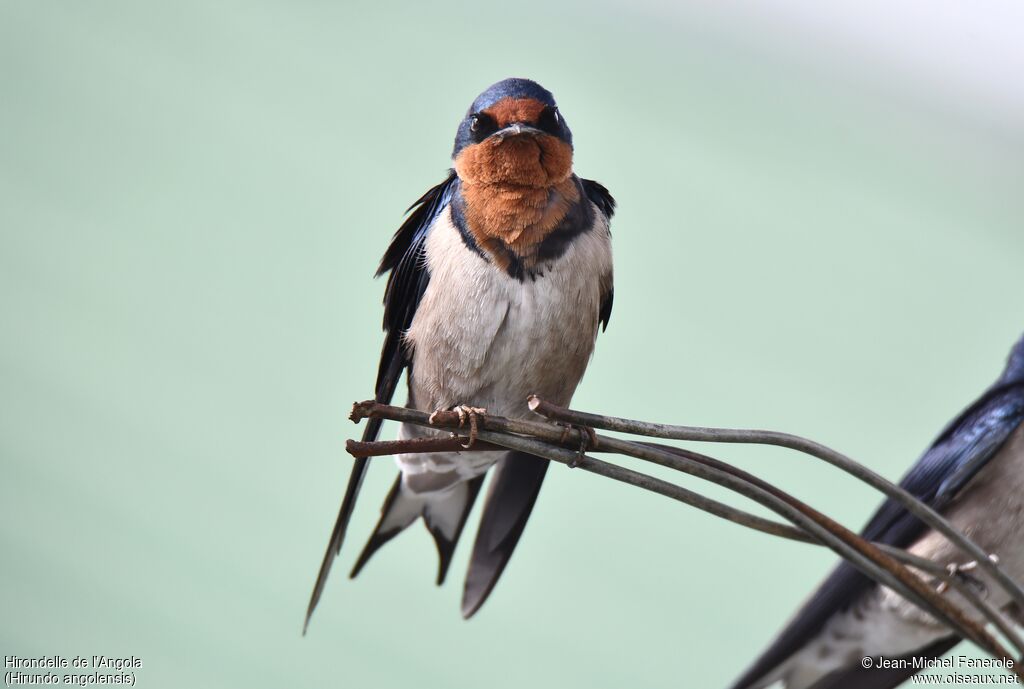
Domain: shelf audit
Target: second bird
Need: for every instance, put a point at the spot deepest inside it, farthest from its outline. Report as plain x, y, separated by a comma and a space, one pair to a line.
498, 282
973, 474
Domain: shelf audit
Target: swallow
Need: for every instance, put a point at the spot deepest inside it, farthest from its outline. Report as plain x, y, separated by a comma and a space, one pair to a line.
498, 282
973, 474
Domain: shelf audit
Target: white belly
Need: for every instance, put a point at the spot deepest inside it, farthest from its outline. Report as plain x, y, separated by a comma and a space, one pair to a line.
483, 338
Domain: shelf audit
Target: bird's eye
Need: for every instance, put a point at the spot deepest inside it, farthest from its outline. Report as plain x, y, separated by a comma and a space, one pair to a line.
550, 121
481, 125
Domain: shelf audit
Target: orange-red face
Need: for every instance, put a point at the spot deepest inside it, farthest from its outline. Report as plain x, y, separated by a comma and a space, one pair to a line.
515, 142
511, 110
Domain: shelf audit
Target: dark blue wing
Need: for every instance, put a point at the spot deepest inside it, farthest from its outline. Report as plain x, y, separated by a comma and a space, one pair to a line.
406, 263
600, 195
407, 280
960, 451
602, 198
956, 456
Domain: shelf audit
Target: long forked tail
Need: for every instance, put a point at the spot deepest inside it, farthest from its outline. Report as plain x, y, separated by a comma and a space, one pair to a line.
444, 513
510, 500
348, 505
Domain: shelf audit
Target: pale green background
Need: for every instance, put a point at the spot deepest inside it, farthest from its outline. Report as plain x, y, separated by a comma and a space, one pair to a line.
194, 195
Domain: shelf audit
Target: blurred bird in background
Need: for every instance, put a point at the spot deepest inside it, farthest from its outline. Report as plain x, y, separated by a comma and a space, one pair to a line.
498, 281
973, 474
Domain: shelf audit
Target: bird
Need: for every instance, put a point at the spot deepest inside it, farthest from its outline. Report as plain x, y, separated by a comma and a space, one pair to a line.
498, 282
972, 474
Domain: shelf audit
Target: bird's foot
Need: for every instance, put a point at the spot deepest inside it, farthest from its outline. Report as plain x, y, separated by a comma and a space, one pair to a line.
465, 412
473, 414
588, 439
962, 572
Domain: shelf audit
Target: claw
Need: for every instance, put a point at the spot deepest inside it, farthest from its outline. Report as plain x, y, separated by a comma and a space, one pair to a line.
465, 412
960, 572
473, 414
588, 439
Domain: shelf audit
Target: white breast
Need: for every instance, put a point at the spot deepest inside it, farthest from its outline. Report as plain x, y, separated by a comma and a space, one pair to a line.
483, 338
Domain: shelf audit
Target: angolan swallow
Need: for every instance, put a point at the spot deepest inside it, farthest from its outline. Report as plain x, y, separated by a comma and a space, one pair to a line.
973, 474
498, 281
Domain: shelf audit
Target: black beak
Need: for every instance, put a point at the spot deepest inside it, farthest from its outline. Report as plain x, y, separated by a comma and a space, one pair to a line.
515, 129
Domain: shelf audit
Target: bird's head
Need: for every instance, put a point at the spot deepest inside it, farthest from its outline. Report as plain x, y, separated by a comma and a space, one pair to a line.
513, 134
